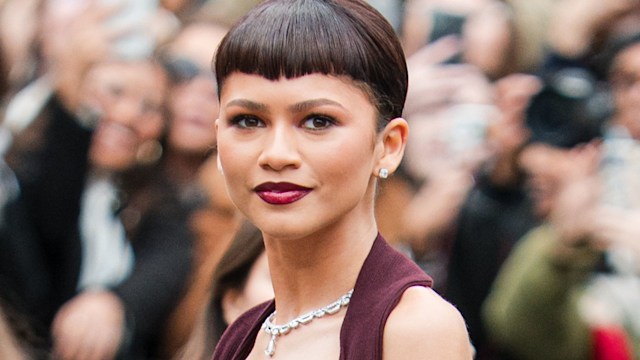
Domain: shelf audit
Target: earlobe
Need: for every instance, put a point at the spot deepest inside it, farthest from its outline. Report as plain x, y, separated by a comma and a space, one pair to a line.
393, 140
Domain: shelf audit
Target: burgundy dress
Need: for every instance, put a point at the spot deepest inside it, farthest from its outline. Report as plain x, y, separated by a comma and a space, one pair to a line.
385, 275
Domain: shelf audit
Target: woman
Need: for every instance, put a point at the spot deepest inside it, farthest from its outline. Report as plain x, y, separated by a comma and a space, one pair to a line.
240, 282
189, 165
303, 134
573, 282
108, 268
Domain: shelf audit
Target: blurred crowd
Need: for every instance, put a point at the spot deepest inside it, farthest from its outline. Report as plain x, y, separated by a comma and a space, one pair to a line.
519, 193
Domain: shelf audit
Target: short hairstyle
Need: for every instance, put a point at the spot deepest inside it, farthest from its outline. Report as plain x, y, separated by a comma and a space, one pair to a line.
292, 38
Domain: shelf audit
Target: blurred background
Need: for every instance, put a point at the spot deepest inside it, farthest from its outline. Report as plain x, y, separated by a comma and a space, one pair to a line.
519, 193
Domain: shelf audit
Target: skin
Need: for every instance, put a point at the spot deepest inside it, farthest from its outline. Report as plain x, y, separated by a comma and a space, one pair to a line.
128, 96
9, 346
89, 326
545, 167
256, 290
584, 18
318, 131
194, 105
626, 87
131, 104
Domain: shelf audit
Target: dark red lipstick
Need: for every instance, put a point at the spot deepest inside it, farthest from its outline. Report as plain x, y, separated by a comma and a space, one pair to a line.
281, 193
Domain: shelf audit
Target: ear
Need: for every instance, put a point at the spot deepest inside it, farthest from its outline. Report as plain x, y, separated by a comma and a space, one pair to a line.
230, 305
391, 144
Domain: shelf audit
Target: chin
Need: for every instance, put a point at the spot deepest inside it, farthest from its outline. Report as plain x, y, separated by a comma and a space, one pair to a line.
285, 229
112, 163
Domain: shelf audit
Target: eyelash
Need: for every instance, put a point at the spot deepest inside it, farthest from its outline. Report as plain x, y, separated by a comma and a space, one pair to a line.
238, 120
329, 121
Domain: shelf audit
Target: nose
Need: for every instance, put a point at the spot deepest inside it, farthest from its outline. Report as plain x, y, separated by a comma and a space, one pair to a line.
279, 149
125, 111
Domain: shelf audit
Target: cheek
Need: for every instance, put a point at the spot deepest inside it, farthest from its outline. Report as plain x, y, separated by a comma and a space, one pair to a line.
150, 127
236, 160
347, 162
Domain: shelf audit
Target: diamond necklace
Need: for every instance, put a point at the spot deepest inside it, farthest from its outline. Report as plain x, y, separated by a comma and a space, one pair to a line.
278, 330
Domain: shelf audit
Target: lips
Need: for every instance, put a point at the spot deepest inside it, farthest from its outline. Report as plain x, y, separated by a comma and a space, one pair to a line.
281, 193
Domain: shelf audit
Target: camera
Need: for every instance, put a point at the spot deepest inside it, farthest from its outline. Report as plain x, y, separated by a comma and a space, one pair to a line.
570, 109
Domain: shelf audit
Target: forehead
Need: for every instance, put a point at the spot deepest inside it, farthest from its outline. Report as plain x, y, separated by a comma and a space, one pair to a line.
141, 76
628, 60
339, 88
196, 43
541, 153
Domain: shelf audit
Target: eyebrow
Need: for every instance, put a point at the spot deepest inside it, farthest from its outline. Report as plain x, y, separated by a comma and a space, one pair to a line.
309, 104
295, 108
248, 104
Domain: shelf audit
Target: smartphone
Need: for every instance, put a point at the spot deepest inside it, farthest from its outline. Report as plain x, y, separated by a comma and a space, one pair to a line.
134, 18
445, 23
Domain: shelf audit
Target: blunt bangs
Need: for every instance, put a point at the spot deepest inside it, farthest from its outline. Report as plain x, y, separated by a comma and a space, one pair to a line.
293, 38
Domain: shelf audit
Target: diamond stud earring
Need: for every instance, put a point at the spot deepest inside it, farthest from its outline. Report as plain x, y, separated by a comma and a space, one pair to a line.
383, 173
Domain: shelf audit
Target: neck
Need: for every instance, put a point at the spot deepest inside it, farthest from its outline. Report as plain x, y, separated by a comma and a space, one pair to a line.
183, 166
311, 272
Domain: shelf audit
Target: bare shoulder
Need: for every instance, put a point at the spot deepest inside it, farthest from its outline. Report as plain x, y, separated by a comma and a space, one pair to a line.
424, 325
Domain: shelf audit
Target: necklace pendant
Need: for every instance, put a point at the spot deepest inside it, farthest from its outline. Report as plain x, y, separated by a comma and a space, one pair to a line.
271, 347
276, 330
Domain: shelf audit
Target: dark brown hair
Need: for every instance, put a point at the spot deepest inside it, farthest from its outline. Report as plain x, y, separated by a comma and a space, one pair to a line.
232, 272
292, 38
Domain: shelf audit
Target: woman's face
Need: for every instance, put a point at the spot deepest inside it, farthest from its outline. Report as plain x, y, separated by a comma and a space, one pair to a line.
129, 96
545, 167
626, 90
194, 108
299, 154
487, 38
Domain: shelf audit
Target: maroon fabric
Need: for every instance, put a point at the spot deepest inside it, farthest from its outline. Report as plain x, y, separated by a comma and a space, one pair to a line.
385, 275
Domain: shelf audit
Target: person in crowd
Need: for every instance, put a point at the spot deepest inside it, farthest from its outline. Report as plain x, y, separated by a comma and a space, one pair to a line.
445, 146
13, 345
110, 251
495, 213
304, 135
499, 37
240, 282
570, 283
502, 200
4, 73
469, 87
189, 163
18, 33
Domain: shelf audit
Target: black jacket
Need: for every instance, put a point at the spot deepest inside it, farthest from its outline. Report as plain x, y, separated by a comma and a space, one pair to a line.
43, 228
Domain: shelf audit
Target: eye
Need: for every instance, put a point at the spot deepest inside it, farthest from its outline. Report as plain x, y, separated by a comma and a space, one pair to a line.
149, 107
114, 91
318, 122
245, 121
